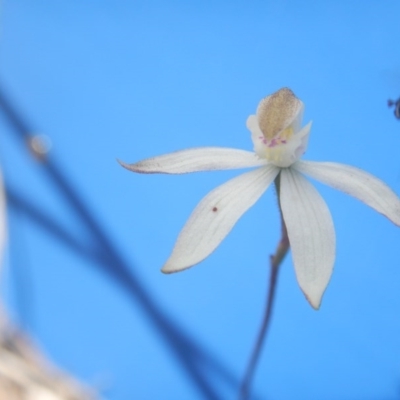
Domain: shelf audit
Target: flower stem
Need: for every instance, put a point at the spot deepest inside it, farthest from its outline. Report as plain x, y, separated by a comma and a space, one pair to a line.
275, 261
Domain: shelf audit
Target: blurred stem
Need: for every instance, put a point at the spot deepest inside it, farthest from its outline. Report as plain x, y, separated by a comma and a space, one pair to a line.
275, 261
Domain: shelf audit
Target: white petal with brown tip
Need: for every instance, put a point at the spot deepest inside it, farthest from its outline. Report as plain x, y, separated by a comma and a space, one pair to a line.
215, 216
357, 183
311, 234
196, 159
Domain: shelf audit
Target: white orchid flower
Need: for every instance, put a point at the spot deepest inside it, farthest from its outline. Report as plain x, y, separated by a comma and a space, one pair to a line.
279, 142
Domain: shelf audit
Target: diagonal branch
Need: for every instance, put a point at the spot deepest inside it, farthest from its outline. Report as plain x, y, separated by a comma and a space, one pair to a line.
196, 361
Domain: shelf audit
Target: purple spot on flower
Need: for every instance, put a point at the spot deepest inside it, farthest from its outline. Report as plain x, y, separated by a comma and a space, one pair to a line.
272, 143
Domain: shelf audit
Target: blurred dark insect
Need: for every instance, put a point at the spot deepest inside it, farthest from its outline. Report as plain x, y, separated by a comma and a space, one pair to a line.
396, 105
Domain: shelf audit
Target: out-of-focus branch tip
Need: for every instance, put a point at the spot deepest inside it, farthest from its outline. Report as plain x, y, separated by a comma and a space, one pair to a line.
25, 373
39, 145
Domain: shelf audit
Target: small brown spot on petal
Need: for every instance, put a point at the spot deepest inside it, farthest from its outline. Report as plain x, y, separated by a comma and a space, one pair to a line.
215, 209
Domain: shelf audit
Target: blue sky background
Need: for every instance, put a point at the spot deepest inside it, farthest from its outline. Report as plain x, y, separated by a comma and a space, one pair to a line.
133, 79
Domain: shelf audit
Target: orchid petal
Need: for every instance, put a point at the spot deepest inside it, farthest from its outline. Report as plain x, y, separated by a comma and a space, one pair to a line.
357, 183
196, 159
311, 234
215, 216
256, 135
